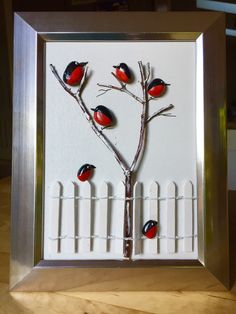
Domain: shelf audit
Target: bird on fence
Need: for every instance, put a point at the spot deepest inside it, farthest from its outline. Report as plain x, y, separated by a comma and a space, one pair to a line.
122, 72
85, 172
157, 87
150, 229
74, 73
103, 116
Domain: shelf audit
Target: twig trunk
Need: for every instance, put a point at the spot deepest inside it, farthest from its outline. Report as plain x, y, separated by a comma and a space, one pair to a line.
128, 217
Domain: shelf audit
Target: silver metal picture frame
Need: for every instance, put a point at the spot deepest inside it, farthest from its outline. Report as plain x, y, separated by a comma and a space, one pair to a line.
29, 270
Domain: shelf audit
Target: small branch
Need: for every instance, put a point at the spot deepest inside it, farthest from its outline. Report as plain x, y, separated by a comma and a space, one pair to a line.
143, 117
110, 87
148, 70
153, 98
125, 90
103, 91
169, 115
67, 89
142, 74
122, 89
160, 112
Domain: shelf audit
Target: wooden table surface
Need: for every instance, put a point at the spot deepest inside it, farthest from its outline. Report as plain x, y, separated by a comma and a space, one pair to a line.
109, 302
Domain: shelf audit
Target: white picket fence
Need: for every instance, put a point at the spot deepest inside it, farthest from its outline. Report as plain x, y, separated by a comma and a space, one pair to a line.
81, 222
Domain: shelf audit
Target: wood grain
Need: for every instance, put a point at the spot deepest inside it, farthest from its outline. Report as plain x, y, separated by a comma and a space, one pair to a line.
109, 302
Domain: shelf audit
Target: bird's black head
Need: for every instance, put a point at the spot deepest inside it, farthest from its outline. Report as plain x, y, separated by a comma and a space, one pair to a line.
157, 82
82, 64
92, 167
122, 66
85, 168
148, 225
100, 108
88, 167
104, 110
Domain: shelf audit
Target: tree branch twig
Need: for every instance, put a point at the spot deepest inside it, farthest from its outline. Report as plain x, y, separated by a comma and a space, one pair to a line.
143, 117
160, 113
122, 89
148, 72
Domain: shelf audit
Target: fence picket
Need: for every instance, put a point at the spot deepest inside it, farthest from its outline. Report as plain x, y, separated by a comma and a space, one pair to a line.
153, 214
77, 218
102, 220
68, 244
188, 216
85, 219
171, 218
119, 219
137, 228
54, 217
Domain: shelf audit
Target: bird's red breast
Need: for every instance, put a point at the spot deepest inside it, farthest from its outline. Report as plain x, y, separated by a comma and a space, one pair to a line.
157, 90
74, 72
102, 119
85, 172
76, 76
122, 76
151, 233
150, 229
103, 116
84, 176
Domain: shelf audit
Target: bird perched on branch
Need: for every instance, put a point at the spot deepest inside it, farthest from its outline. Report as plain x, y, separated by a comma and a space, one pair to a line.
122, 72
85, 172
103, 116
74, 73
157, 87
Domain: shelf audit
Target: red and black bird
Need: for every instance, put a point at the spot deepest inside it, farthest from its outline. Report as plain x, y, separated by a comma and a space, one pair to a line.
122, 72
74, 73
150, 229
157, 87
103, 116
85, 172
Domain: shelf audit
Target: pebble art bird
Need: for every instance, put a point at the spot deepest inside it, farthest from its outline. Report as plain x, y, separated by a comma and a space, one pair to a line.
122, 72
157, 87
74, 73
85, 172
103, 116
150, 229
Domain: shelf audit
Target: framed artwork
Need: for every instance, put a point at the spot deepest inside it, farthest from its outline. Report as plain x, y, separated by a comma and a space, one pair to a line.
119, 153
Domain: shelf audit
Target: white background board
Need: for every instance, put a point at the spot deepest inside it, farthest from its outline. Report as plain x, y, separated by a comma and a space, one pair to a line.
170, 153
